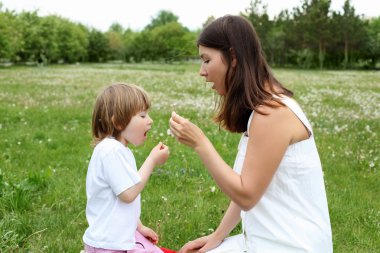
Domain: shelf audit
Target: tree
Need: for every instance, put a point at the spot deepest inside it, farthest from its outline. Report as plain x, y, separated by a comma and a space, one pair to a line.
97, 49
164, 39
32, 45
73, 40
373, 43
10, 36
163, 17
257, 14
313, 23
170, 42
115, 40
48, 29
349, 30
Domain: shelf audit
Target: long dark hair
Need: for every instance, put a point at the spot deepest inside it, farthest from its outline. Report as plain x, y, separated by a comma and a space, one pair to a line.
246, 83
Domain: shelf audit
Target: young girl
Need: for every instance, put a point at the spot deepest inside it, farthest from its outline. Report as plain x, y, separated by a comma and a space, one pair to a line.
113, 183
276, 186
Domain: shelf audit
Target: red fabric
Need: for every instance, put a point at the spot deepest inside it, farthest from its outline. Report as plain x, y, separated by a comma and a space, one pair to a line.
167, 250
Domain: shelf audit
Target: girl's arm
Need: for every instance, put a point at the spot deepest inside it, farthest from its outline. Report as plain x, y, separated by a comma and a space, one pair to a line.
206, 243
157, 156
147, 232
269, 137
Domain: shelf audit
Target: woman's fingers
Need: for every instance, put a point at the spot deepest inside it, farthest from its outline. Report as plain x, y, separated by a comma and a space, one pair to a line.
189, 247
173, 127
177, 118
175, 124
183, 130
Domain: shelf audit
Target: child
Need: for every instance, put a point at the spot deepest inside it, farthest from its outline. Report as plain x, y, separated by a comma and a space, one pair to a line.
113, 183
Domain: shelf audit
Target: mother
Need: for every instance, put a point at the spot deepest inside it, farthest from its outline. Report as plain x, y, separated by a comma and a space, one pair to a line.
276, 186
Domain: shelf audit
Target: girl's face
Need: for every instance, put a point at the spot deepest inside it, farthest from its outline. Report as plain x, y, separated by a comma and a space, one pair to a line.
137, 129
213, 68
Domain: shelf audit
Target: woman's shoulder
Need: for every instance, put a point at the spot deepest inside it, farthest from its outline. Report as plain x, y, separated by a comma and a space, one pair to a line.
271, 108
273, 115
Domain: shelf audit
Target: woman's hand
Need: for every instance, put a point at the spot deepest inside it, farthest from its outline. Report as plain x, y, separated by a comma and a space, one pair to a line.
185, 131
201, 245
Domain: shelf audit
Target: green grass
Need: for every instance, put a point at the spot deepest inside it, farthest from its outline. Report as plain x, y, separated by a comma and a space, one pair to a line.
45, 116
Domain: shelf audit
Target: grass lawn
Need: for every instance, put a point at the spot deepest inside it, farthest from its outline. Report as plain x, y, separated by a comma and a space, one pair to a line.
45, 120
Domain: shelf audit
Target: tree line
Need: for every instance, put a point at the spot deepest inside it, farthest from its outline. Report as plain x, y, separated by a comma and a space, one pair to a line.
309, 36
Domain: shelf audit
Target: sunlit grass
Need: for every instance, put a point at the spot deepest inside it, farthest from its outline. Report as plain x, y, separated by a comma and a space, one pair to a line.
45, 116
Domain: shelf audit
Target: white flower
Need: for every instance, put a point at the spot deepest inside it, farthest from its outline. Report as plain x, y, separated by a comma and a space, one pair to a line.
212, 189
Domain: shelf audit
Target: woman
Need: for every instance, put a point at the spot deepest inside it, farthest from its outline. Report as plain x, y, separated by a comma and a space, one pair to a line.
276, 186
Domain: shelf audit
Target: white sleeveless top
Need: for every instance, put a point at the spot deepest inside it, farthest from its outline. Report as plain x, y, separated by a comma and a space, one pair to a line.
292, 215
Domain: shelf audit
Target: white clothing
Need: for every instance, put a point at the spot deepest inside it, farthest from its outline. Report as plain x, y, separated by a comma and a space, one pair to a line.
112, 222
232, 244
292, 215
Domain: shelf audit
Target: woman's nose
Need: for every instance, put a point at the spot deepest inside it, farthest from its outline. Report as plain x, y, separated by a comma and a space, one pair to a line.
202, 71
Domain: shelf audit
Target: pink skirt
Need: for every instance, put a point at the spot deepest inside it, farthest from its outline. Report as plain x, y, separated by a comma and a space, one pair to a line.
143, 245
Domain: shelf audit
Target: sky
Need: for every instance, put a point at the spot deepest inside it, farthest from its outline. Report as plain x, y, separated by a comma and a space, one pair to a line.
137, 14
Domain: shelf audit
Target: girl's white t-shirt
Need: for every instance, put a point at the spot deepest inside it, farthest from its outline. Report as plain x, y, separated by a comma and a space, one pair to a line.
112, 222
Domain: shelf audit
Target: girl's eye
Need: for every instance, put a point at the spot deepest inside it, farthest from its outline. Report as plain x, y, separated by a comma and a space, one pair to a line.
143, 115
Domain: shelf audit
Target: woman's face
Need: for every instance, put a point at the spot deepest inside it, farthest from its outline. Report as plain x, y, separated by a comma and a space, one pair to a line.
213, 68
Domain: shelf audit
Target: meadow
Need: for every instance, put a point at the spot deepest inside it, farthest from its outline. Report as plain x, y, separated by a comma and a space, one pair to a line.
45, 120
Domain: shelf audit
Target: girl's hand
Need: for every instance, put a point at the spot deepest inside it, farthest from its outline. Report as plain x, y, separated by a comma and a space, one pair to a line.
149, 234
159, 154
201, 245
185, 131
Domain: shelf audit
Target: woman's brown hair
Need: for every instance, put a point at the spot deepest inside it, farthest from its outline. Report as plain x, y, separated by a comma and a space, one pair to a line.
247, 82
114, 108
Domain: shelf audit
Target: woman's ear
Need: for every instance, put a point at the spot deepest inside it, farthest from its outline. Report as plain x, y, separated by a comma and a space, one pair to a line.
233, 57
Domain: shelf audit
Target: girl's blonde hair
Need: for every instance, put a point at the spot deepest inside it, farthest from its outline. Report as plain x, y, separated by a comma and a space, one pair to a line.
114, 108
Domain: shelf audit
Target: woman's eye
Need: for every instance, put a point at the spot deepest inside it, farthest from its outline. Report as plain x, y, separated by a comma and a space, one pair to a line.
204, 61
